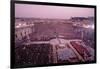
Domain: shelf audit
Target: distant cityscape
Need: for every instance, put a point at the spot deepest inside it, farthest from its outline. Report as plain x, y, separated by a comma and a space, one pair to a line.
40, 41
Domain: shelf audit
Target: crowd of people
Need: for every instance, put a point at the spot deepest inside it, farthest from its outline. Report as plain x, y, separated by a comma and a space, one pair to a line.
86, 52
41, 54
35, 54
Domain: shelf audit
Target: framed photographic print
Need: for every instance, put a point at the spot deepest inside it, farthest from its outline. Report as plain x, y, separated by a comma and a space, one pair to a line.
50, 34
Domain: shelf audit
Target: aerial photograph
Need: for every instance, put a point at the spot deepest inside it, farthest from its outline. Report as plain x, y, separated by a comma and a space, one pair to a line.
47, 35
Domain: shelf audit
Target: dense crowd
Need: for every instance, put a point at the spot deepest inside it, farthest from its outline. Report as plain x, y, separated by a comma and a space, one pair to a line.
33, 54
41, 54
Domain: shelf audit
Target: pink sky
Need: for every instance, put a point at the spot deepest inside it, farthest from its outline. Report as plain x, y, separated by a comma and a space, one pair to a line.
44, 11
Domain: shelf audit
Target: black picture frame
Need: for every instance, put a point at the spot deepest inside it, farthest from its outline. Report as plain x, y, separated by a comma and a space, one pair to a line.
12, 32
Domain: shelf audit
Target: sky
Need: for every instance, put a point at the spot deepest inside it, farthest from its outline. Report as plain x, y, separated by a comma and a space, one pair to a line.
57, 12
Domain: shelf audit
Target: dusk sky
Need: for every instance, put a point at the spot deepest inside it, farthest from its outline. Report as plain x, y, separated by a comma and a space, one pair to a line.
44, 11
